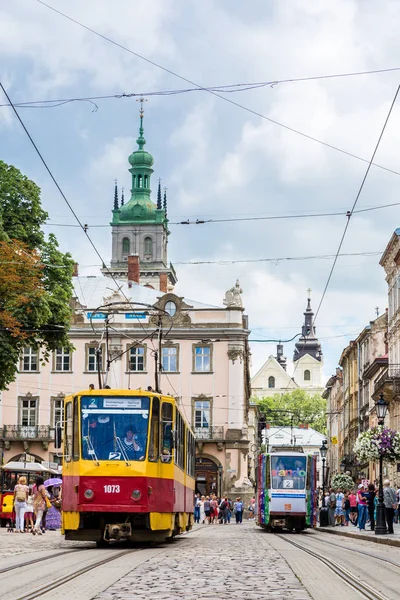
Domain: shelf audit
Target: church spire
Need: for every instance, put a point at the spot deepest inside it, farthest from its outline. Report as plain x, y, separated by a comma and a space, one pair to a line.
122, 196
159, 199
116, 194
165, 202
308, 342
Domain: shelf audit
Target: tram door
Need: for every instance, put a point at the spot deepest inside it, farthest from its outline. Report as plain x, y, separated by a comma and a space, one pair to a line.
206, 477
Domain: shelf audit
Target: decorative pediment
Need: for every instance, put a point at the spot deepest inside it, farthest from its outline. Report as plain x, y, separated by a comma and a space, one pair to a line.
180, 318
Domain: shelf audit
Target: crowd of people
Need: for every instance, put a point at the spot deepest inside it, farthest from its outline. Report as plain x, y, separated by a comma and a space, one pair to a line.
36, 508
357, 507
213, 510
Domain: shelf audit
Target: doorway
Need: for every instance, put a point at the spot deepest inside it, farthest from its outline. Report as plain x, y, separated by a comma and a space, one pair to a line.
207, 477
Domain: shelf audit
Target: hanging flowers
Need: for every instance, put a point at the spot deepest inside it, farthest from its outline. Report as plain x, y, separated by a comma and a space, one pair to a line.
342, 481
376, 442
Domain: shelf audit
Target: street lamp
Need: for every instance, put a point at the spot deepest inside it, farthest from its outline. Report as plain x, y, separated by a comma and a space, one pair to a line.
380, 527
323, 513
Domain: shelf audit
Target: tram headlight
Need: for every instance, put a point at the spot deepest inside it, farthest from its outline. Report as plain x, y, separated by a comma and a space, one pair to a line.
89, 494
136, 495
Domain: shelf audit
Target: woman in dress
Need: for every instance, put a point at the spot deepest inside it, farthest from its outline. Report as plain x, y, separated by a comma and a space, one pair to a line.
53, 515
39, 504
202, 513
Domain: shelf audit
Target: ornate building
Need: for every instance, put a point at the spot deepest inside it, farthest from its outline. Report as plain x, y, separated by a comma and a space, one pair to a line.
204, 352
273, 377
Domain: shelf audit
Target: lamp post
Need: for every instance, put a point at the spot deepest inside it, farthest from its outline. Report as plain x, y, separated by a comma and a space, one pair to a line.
380, 526
323, 513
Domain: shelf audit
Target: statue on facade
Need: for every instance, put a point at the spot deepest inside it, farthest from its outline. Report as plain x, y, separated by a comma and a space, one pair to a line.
233, 298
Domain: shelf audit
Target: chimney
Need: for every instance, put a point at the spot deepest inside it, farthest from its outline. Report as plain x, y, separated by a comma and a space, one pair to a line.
163, 282
133, 269
75, 272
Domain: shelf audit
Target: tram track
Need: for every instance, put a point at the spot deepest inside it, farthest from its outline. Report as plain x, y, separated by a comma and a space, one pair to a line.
352, 580
60, 581
27, 563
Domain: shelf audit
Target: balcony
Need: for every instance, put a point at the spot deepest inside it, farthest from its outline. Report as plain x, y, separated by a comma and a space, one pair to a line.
26, 433
209, 433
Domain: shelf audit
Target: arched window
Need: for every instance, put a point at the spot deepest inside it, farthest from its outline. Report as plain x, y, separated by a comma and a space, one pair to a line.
140, 181
271, 382
134, 181
307, 375
148, 246
126, 246
145, 181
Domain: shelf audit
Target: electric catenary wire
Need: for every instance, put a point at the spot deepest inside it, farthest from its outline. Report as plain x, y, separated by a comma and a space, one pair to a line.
216, 94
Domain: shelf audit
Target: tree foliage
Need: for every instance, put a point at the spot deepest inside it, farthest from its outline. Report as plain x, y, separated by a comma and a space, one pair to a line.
35, 276
296, 407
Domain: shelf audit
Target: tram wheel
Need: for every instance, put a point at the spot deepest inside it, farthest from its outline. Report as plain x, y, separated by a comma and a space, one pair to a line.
298, 530
102, 543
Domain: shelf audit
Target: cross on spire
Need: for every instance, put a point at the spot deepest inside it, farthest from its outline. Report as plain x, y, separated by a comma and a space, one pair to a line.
309, 292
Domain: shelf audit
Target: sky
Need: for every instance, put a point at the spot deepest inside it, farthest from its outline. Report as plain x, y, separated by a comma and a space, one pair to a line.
217, 159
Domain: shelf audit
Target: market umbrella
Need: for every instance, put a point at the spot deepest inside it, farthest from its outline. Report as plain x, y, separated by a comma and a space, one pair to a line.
55, 481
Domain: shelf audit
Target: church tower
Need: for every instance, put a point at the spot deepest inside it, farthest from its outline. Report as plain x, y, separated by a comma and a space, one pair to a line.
140, 227
308, 358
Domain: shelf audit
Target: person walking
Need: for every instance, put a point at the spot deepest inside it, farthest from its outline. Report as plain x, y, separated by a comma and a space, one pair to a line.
21, 492
202, 514
214, 510
197, 503
353, 507
207, 510
390, 502
346, 509
362, 506
39, 504
53, 515
371, 505
331, 507
238, 510
339, 514
223, 507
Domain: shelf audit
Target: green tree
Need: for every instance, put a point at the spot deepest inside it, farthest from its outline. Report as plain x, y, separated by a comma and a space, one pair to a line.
297, 407
35, 276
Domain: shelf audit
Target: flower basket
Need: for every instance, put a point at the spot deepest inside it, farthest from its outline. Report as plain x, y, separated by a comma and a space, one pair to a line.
376, 442
343, 482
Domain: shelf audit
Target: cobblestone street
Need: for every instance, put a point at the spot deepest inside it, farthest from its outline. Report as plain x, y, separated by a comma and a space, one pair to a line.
223, 562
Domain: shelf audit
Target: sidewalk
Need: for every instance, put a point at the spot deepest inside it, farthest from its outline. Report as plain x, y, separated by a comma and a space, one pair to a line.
353, 532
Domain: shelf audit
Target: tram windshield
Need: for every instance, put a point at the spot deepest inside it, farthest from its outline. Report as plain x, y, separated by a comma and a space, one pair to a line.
114, 428
288, 472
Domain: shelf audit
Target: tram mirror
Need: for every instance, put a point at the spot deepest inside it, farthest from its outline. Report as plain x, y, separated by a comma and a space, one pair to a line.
58, 436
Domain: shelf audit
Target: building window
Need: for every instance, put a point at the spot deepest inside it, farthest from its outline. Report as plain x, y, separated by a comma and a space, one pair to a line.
202, 412
136, 358
140, 181
28, 411
307, 375
91, 359
148, 246
126, 246
145, 181
170, 308
30, 359
170, 358
62, 359
202, 359
57, 411
271, 382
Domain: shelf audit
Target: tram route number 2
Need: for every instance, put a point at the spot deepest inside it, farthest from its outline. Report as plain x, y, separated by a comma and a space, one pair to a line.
112, 489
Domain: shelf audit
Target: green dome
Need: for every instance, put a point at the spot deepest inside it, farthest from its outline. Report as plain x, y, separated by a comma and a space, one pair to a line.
137, 211
141, 158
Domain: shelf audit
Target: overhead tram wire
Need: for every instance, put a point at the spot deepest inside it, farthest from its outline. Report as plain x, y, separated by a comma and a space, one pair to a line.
350, 213
227, 88
217, 95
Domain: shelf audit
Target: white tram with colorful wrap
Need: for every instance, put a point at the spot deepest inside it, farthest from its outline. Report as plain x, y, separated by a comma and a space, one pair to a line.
287, 490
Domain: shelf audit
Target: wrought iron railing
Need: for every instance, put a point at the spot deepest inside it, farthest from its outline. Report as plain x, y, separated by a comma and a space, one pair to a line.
380, 381
209, 433
25, 432
394, 371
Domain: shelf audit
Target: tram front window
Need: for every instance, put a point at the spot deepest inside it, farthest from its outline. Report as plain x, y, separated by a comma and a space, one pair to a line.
288, 472
114, 428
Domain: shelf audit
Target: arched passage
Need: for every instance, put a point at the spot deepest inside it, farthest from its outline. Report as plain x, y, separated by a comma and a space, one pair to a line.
208, 476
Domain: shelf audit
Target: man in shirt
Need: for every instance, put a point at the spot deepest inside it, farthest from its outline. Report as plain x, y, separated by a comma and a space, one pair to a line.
390, 502
339, 514
331, 507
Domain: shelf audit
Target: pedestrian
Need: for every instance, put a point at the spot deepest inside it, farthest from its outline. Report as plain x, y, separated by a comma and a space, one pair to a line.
339, 514
346, 509
29, 512
202, 515
252, 509
362, 506
207, 510
371, 505
223, 507
390, 502
197, 503
39, 504
331, 507
229, 510
214, 510
353, 507
238, 510
53, 515
21, 492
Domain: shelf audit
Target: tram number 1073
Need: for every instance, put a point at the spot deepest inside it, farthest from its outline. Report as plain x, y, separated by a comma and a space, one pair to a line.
112, 489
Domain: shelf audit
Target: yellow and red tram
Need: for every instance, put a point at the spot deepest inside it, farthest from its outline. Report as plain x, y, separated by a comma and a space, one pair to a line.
128, 469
